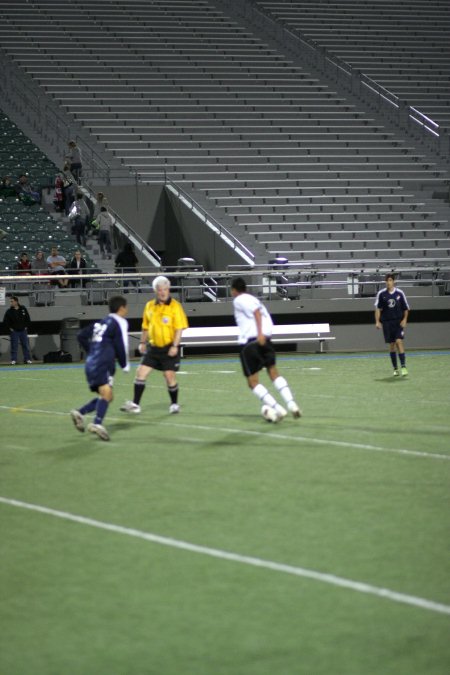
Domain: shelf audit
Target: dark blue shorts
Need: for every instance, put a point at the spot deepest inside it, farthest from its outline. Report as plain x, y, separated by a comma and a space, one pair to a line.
98, 378
393, 331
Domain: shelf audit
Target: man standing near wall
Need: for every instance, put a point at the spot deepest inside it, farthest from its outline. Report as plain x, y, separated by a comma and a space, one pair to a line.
17, 321
391, 313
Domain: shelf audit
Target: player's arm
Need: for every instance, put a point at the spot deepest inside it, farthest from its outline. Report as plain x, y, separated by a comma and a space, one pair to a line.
261, 338
84, 337
173, 350
120, 350
378, 317
404, 321
27, 318
143, 341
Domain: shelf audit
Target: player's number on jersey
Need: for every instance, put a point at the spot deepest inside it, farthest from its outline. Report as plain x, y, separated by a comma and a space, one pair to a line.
98, 332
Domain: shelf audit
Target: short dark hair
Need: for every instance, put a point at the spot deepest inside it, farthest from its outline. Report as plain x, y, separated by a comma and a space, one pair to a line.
389, 276
239, 285
14, 297
116, 303
103, 208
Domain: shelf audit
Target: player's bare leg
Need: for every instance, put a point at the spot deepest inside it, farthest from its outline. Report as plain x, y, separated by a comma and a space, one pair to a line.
282, 386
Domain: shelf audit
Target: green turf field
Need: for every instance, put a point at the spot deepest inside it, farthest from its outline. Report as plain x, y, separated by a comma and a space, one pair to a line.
321, 514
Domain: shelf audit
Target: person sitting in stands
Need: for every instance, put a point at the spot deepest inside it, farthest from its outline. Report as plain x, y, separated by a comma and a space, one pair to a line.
56, 264
24, 265
39, 263
77, 266
26, 192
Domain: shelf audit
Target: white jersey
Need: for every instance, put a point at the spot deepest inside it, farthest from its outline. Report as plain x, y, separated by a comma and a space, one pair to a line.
245, 306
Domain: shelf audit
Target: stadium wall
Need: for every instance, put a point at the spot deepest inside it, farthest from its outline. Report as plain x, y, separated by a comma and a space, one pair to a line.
352, 322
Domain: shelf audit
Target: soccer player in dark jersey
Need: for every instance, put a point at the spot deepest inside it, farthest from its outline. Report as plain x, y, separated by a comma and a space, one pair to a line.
391, 312
104, 342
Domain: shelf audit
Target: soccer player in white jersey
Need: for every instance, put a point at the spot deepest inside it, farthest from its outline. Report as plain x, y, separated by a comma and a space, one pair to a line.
391, 312
255, 330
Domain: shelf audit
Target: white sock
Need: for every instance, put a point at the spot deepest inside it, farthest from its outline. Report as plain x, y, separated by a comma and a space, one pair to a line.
283, 387
261, 392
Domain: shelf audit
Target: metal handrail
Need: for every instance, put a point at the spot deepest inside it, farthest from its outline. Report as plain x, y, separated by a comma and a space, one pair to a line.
143, 247
291, 269
210, 221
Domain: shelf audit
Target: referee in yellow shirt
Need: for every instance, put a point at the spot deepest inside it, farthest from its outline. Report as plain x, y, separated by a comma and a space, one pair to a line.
163, 322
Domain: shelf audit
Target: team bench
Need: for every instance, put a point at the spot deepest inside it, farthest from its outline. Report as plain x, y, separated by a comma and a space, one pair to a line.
211, 336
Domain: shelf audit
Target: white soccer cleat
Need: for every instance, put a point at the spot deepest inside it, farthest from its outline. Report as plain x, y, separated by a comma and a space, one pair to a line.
77, 419
99, 430
174, 408
294, 409
270, 414
131, 407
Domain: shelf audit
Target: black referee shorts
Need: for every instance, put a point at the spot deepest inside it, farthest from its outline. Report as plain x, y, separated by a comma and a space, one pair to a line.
255, 357
158, 358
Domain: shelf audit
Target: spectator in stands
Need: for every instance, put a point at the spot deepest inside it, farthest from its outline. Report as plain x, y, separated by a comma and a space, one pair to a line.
75, 161
69, 184
79, 215
39, 263
7, 188
24, 265
126, 261
56, 264
77, 267
101, 200
26, 192
17, 321
58, 198
104, 222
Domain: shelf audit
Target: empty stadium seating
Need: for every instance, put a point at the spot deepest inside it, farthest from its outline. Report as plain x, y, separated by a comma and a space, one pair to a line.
403, 46
270, 149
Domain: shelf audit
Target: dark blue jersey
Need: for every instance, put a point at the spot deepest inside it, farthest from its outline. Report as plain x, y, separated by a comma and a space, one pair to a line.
392, 305
104, 342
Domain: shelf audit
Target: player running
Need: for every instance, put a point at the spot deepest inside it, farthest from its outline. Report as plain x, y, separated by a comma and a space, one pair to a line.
391, 312
104, 342
255, 330
163, 322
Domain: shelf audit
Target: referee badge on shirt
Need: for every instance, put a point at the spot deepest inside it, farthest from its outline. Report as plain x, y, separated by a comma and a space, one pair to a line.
166, 319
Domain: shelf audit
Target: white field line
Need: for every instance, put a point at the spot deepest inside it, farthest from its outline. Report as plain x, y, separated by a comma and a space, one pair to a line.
248, 432
331, 579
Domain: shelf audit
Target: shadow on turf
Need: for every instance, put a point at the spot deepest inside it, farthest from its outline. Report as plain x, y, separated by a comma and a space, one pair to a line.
390, 379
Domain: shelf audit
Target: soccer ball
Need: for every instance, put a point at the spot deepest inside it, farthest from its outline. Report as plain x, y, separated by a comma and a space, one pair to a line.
269, 414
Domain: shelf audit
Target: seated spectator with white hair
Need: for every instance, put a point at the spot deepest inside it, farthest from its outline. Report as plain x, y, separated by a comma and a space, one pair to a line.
163, 322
